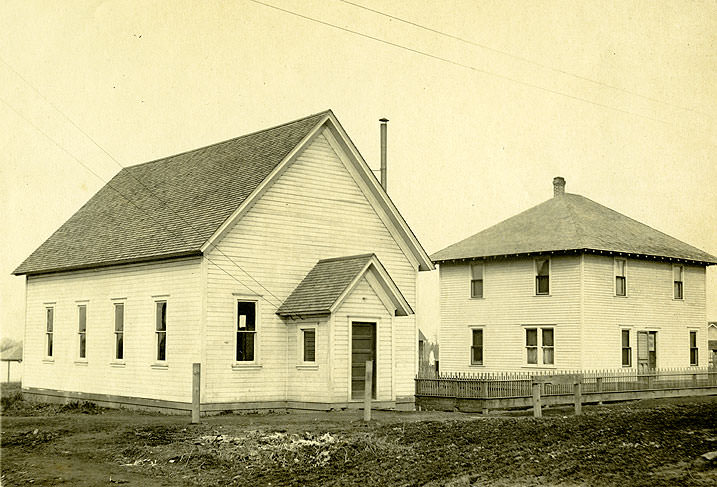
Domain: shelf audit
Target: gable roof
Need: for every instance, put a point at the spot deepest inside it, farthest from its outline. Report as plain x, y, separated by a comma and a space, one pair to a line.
570, 222
13, 353
176, 206
331, 280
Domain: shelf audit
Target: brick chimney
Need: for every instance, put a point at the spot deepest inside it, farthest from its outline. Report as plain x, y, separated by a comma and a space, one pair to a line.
558, 186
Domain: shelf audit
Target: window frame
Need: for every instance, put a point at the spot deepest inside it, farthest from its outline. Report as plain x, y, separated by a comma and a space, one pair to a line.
624, 348
696, 348
618, 276
158, 332
301, 345
539, 347
236, 331
472, 362
49, 346
537, 277
681, 282
81, 334
473, 279
119, 333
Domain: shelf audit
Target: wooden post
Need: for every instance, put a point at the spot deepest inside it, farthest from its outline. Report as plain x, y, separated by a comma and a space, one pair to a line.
484, 395
8, 371
578, 398
537, 411
368, 391
598, 382
196, 377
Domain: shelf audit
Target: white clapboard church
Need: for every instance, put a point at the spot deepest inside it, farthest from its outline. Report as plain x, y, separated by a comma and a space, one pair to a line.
276, 260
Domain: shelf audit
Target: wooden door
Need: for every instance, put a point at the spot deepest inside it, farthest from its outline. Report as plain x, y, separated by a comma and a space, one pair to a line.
363, 348
646, 351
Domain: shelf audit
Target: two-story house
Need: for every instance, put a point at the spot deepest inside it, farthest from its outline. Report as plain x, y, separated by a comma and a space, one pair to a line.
275, 260
570, 284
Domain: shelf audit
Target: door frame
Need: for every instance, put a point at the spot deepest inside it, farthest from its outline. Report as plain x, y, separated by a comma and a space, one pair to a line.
362, 319
647, 331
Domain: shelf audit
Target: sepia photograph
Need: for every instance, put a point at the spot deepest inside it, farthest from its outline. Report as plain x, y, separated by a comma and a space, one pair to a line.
428, 243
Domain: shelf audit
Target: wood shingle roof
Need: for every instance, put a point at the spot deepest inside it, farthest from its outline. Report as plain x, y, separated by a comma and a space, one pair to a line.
570, 222
169, 207
331, 279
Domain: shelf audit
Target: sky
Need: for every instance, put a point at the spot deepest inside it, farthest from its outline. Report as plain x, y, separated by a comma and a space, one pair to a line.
487, 101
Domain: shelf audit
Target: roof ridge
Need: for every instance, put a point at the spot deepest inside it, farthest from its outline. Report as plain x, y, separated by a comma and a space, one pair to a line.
232, 139
574, 220
622, 215
347, 257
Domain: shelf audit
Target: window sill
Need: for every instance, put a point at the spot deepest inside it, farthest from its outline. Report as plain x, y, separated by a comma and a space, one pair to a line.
48, 361
620, 295
536, 366
118, 364
476, 365
159, 366
246, 366
307, 367
82, 362
542, 295
477, 297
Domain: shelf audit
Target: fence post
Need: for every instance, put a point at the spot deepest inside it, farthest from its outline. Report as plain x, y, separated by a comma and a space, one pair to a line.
578, 398
368, 391
484, 395
694, 380
537, 412
196, 377
598, 386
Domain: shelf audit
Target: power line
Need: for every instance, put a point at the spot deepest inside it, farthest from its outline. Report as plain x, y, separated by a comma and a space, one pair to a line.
523, 59
467, 66
129, 200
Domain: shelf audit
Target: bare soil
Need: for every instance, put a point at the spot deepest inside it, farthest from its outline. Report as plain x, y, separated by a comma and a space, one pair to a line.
639, 443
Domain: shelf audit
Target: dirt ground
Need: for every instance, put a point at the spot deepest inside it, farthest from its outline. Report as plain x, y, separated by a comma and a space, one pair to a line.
639, 443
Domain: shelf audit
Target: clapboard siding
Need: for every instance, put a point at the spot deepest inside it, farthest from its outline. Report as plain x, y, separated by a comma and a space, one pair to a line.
315, 210
176, 281
362, 305
509, 303
308, 383
649, 305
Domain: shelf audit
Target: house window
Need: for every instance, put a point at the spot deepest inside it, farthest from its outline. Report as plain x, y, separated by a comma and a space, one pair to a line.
82, 330
694, 351
160, 328
626, 349
476, 280
49, 324
620, 277
246, 331
542, 276
119, 331
477, 347
548, 346
540, 339
309, 341
678, 275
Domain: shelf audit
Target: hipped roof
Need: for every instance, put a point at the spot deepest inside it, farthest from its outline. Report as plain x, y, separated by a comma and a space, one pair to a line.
331, 280
571, 222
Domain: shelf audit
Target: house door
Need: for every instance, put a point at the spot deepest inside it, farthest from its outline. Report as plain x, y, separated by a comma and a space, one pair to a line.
363, 348
646, 351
